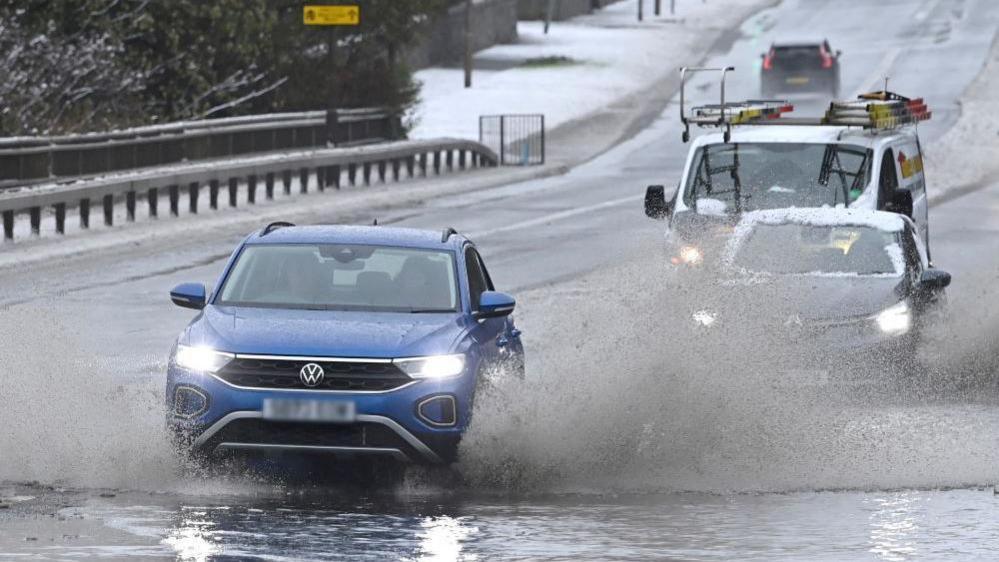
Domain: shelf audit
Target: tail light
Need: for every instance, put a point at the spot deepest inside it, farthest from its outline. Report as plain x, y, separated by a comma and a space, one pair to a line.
768, 61
827, 59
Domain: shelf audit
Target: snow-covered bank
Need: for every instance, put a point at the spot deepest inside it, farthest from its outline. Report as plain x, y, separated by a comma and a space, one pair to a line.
582, 66
965, 157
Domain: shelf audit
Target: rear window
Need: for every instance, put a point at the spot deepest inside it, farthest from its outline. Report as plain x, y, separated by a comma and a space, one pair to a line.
796, 52
729, 178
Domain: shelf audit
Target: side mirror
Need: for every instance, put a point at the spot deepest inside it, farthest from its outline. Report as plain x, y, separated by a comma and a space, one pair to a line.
838, 53
900, 202
189, 295
493, 304
763, 55
934, 279
656, 205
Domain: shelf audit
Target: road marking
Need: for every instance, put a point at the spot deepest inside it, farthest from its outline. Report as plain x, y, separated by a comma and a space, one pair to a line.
558, 216
875, 81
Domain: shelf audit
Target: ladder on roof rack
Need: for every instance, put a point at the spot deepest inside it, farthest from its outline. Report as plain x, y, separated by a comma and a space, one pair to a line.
882, 110
725, 114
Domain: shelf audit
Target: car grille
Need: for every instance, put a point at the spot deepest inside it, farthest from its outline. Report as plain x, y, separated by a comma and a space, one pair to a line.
258, 431
339, 375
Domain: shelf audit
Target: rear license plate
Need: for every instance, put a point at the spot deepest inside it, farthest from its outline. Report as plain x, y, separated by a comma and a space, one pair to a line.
797, 80
333, 411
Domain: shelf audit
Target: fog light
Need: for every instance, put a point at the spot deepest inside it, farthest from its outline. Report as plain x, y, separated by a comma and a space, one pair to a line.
189, 402
440, 411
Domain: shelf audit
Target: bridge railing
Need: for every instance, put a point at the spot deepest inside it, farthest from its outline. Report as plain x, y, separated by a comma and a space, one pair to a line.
322, 168
30, 160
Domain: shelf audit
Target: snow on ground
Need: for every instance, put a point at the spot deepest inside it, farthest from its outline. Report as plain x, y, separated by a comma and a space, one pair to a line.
582, 65
965, 157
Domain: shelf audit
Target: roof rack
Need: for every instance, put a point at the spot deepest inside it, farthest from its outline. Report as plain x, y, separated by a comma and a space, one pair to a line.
447, 234
274, 226
882, 110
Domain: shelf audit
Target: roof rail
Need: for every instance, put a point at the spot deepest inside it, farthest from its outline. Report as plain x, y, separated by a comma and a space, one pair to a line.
447, 234
274, 226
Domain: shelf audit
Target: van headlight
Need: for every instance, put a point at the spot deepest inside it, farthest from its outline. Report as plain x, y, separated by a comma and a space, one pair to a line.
432, 367
201, 359
895, 320
687, 255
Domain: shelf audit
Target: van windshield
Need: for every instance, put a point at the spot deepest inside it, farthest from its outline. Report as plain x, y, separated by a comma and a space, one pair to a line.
735, 177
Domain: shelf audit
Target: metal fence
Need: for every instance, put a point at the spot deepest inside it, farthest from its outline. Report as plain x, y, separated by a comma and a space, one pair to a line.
28, 160
224, 179
518, 140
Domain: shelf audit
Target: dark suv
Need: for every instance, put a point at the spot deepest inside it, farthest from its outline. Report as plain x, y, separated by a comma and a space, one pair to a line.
799, 67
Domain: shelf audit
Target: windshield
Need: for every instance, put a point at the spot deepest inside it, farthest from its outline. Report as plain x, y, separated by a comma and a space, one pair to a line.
788, 249
735, 177
333, 276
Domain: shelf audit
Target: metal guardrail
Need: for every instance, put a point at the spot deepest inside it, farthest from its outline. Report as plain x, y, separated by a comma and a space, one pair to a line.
519, 140
388, 161
28, 160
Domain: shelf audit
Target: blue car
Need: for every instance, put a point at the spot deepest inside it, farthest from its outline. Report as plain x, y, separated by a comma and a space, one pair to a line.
351, 341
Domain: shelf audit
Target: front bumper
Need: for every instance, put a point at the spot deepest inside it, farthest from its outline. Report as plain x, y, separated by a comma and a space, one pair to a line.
387, 423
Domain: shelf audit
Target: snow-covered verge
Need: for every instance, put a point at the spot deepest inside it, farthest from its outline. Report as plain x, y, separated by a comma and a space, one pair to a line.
965, 157
582, 66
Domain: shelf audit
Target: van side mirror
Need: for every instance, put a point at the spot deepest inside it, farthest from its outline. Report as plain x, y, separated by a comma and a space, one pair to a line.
189, 295
934, 279
838, 53
900, 202
656, 205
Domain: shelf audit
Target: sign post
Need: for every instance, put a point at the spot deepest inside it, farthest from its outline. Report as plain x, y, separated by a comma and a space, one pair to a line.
331, 17
313, 14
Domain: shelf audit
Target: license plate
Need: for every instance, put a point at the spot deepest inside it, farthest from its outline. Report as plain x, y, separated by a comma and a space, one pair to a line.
333, 411
798, 80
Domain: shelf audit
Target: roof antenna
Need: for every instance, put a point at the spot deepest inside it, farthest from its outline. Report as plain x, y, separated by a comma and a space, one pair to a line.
375, 222
447, 234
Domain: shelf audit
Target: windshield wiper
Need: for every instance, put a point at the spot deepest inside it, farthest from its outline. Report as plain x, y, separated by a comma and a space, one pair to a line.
429, 310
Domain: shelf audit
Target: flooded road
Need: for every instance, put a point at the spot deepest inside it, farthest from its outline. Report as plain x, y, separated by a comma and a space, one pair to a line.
310, 524
621, 444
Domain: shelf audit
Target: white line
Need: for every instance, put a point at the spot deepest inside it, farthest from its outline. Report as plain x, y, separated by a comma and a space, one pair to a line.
875, 81
558, 216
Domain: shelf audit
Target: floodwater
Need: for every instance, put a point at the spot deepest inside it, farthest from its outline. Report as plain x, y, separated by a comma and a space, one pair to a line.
618, 446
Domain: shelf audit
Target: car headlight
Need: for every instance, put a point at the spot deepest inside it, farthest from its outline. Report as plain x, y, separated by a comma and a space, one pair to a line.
201, 359
433, 367
895, 320
687, 255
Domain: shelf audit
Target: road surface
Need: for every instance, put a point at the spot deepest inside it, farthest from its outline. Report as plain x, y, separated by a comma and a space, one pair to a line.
614, 450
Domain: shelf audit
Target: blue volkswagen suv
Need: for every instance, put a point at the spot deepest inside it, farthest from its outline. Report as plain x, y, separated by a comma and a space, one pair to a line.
347, 340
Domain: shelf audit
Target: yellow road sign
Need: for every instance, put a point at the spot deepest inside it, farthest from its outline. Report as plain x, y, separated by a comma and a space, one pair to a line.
331, 15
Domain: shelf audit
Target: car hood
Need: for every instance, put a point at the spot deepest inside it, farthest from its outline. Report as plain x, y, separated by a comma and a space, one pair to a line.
268, 331
809, 298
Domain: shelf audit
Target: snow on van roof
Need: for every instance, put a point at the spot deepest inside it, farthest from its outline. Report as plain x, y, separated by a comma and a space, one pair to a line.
822, 134
825, 216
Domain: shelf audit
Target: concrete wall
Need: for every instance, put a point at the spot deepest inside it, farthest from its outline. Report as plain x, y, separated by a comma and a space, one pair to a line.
493, 21
563, 9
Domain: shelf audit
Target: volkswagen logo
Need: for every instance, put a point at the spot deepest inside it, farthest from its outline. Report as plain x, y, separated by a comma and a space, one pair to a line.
311, 375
